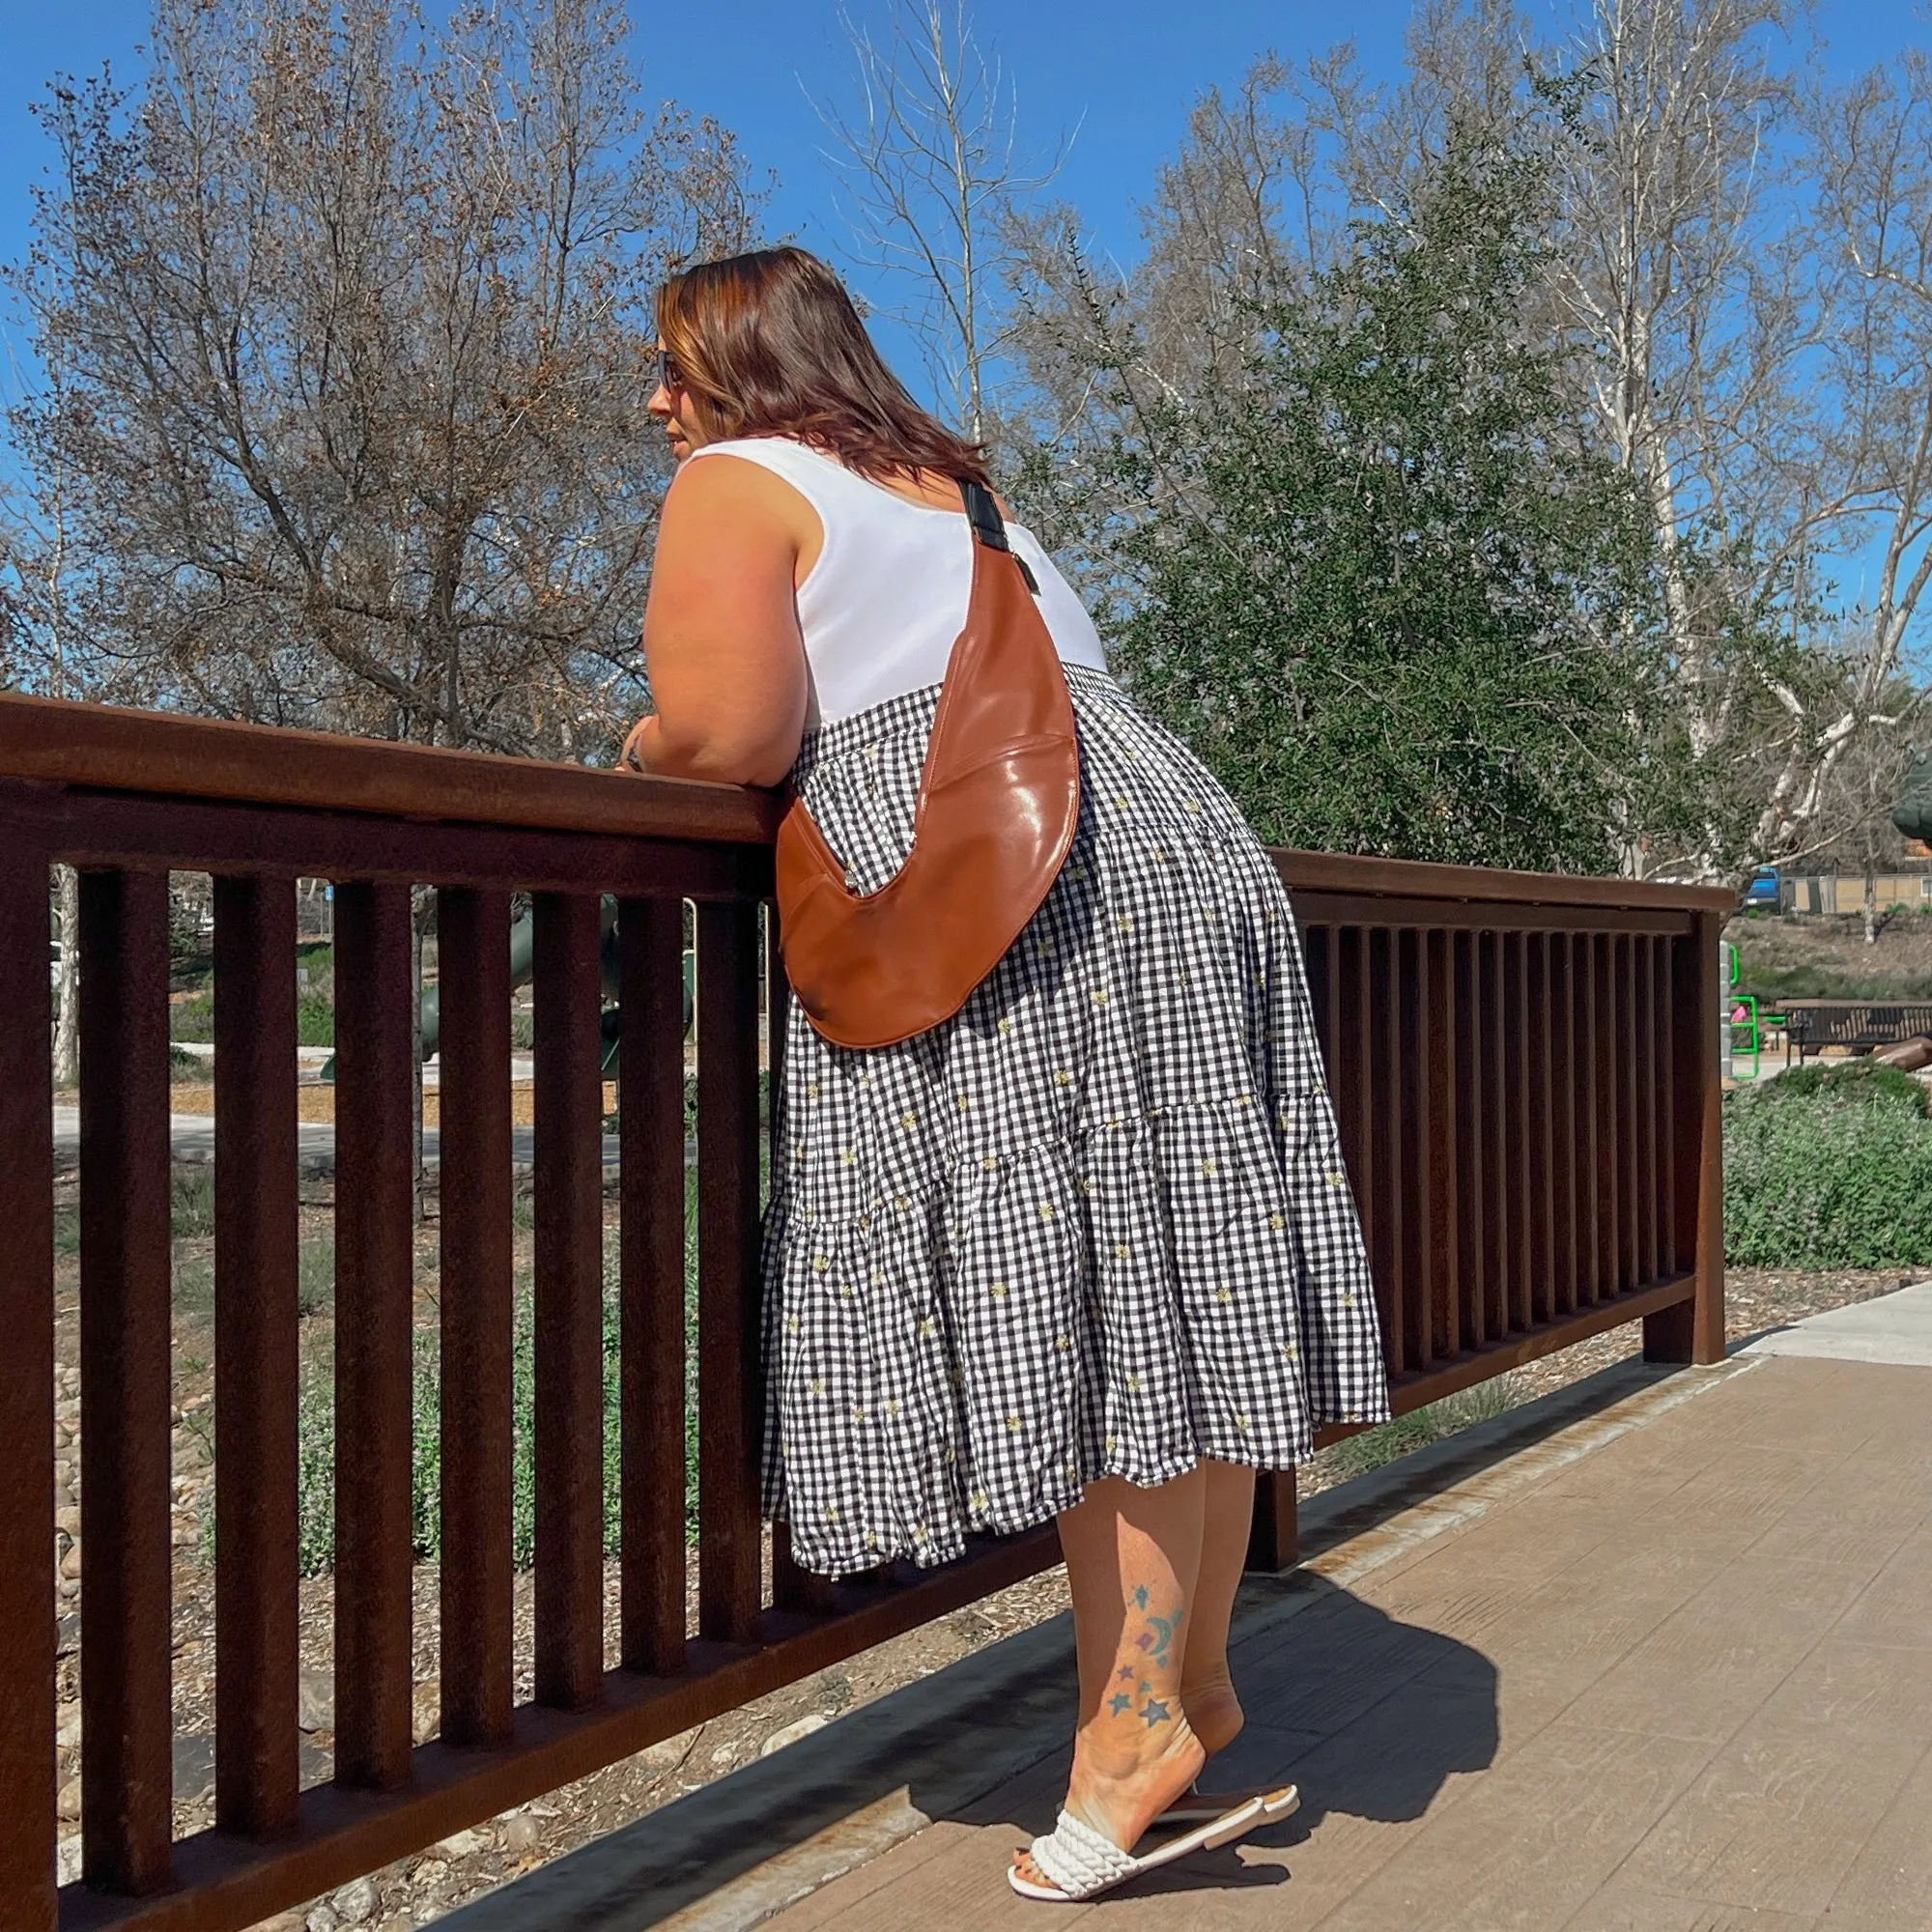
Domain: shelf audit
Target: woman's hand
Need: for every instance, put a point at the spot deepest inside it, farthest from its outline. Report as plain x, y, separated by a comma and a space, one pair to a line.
720, 632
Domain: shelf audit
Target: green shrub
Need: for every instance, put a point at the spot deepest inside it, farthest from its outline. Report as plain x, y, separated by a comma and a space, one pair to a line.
192, 1018
1830, 1167
315, 1019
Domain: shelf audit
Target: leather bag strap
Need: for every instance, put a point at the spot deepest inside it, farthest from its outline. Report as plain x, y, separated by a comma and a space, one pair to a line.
990, 527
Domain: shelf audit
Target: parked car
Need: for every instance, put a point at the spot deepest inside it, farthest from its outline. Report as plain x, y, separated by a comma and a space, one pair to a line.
1763, 887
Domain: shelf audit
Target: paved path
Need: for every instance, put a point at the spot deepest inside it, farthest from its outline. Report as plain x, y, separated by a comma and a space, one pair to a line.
1686, 1682
1896, 1327
193, 1138
1667, 1671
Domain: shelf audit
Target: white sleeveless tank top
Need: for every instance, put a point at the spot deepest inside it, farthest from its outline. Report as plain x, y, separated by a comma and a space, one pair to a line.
880, 609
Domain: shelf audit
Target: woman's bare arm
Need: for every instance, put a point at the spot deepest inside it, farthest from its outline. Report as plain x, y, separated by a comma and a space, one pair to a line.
720, 632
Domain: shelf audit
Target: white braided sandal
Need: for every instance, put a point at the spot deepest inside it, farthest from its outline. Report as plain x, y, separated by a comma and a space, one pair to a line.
1082, 1864
1194, 1806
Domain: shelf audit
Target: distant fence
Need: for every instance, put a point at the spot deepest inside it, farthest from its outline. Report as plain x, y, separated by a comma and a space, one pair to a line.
1526, 1074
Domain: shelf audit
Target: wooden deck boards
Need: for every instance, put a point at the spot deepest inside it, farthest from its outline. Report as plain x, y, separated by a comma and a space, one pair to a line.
1685, 1685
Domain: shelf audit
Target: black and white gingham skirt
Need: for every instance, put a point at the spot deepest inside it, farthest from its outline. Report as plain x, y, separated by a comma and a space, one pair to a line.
1096, 1225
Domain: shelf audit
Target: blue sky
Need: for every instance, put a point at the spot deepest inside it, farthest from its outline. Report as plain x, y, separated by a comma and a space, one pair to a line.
1122, 71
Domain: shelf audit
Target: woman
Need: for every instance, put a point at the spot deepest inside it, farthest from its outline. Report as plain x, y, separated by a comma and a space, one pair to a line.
1086, 1250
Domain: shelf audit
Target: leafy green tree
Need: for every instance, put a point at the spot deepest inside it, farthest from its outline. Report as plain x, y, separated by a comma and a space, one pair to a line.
1381, 585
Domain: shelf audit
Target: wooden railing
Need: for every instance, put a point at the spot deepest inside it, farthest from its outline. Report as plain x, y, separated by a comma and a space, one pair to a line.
1526, 1074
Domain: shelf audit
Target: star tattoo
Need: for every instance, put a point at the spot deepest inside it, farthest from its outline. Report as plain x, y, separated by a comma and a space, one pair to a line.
1141, 1598
1155, 1712
1119, 1702
1126, 1673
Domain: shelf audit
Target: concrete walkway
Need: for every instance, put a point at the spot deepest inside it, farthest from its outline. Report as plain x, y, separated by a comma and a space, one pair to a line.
1654, 1655
1896, 1327
191, 1138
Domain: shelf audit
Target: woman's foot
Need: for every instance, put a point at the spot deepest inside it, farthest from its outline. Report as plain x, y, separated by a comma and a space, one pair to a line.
1120, 1798
1213, 1712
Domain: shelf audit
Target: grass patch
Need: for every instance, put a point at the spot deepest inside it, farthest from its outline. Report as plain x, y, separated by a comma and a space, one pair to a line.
315, 1278
194, 1288
194, 1203
1375, 1448
1830, 1167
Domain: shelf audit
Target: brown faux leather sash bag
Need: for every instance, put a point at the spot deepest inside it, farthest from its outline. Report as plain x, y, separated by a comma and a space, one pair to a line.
998, 803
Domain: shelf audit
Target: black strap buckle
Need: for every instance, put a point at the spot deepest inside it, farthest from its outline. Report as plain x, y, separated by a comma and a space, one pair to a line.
990, 527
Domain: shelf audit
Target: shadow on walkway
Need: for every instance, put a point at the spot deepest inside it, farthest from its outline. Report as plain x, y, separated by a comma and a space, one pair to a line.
1368, 1714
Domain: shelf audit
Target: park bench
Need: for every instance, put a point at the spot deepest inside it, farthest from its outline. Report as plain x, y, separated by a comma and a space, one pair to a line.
1857, 1026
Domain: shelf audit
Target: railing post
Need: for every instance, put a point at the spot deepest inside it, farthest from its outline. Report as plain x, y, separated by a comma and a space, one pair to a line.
1274, 1542
476, 1575
26, 1391
569, 1305
375, 1000
127, 1715
729, 1291
1693, 1330
650, 1118
256, 1240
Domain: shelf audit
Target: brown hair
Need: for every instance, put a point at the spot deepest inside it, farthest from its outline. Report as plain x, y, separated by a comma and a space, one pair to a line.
769, 344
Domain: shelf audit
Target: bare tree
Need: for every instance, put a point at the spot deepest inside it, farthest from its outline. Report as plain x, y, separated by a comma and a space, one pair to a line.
1872, 237
930, 160
35, 562
358, 340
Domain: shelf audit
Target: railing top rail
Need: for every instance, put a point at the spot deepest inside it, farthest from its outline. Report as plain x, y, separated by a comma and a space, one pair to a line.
1409, 878
116, 748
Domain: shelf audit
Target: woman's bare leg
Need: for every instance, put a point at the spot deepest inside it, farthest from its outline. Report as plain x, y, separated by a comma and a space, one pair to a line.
1207, 1689
1133, 1557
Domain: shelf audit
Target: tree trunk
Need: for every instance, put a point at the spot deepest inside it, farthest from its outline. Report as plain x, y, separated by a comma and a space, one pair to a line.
66, 1027
1871, 906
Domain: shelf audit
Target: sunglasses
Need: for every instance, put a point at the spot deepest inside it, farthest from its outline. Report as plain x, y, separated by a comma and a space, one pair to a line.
670, 377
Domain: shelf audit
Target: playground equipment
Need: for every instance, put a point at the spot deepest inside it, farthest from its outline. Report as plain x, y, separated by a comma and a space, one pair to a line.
523, 951
1742, 1035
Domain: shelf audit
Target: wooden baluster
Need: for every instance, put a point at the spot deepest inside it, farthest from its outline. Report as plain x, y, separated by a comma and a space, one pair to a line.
650, 1118
1540, 1140
256, 1325
1629, 1271
793, 1588
569, 1303
375, 1239
1383, 1009
1416, 1175
728, 1293
1468, 1049
27, 1825
1498, 1257
1609, 1193
1517, 1124
127, 1773
1649, 1246
474, 1227
1437, 1119
1565, 1081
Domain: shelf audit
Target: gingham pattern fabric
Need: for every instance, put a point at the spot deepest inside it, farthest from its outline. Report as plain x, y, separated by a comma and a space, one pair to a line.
1096, 1225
